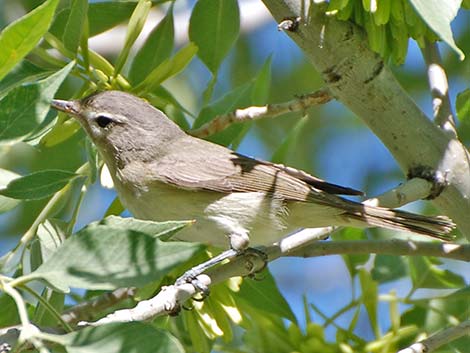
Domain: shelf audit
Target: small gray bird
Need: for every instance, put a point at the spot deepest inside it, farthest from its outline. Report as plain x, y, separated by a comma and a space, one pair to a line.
161, 173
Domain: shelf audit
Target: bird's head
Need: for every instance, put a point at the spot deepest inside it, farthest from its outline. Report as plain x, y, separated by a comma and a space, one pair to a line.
120, 124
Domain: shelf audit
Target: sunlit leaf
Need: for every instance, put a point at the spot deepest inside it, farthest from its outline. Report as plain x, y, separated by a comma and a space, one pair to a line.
6, 203
155, 50
134, 27
167, 69
25, 107
119, 338
21, 36
105, 257
438, 15
37, 185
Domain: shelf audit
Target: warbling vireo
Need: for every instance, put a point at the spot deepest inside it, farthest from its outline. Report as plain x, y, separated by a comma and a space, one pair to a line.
161, 173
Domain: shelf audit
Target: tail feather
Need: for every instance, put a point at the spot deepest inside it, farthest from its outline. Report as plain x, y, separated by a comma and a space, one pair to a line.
436, 227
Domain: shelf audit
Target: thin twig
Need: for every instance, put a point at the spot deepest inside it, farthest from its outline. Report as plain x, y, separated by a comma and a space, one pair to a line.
439, 339
301, 103
439, 86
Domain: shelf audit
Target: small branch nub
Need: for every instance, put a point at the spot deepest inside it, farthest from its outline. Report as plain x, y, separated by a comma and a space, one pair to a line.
436, 177
289, 24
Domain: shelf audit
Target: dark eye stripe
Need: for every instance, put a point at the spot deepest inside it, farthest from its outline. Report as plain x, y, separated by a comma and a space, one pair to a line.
103, 121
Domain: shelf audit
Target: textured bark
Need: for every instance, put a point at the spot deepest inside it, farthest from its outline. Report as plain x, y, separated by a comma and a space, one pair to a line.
359, 79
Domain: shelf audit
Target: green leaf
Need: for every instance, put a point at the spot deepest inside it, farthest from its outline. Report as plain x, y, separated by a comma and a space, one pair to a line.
424, 274
161, 230
388, 268
105, 257
136, 23
369, 298
23, 72
290, 141
115, 209
102, 16
265, 295
262, 84
75, 24
199, 341
25, 107
51, 234
438, 15
9, 313
462, 105
6, 203
43, 316
237, 98
22, 35
214, 27
59, 132
37, 185
157, 48
160, 97
352, 262
119, 338
167, 69
416, 315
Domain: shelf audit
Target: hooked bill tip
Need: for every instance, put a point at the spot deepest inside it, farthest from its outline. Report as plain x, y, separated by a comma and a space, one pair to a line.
69, 107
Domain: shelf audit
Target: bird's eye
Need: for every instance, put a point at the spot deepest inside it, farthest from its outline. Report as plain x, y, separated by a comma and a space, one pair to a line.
103, 121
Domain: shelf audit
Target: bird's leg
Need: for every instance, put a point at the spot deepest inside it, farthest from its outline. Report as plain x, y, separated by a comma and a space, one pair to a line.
190, 276
238, 246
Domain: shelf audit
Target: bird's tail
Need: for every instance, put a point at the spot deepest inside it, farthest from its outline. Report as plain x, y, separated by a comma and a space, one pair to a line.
436, 227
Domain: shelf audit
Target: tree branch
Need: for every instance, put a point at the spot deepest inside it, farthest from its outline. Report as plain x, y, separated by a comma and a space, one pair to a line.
88, 309
386, 247
412, 190
361, 81
439, 86
439, 339
268, 111
169, 300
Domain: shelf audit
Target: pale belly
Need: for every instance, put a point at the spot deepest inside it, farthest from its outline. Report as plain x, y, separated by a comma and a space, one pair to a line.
217, 216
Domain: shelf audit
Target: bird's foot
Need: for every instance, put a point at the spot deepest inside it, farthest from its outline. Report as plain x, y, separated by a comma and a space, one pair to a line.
191, 275
256, 254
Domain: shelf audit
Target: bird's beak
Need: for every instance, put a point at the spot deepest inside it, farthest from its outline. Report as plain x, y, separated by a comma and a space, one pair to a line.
69, 107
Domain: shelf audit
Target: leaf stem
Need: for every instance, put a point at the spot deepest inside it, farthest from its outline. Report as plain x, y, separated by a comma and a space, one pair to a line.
48, 306
31, 232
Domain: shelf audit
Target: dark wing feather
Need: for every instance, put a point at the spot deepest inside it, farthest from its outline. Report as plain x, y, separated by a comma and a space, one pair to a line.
198, 164
316, 182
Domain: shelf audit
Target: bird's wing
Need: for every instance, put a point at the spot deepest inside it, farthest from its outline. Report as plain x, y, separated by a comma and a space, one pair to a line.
197, 164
